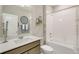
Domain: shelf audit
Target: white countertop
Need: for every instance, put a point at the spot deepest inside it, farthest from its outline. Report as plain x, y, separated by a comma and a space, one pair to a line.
14, 43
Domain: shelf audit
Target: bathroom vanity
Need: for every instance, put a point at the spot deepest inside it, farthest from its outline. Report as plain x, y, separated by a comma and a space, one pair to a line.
13, 25
28, 45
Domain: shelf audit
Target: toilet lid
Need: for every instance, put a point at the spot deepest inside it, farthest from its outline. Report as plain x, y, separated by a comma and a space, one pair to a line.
46, 47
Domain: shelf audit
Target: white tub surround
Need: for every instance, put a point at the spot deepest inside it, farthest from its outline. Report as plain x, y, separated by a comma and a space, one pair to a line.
11, 44
62, 27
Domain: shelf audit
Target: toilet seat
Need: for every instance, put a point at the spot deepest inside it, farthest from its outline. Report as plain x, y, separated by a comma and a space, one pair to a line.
47, 48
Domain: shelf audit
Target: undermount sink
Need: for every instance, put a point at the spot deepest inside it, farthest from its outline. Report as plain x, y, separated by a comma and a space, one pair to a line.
22, 40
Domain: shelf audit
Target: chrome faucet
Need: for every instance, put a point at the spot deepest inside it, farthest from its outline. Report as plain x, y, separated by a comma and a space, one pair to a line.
20, 37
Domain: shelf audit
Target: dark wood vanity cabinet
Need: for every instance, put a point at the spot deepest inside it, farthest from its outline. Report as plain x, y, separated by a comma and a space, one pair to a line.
31, 48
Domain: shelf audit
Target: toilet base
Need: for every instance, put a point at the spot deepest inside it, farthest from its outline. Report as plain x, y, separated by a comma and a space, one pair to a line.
45, 49
45, 52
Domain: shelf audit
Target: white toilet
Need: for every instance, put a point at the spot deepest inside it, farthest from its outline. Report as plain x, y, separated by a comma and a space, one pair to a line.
46, 49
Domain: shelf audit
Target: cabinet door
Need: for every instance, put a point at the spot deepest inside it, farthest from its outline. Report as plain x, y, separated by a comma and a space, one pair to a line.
35, 50
24, 48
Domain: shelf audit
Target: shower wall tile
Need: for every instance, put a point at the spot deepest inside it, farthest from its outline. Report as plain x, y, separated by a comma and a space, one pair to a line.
64, 26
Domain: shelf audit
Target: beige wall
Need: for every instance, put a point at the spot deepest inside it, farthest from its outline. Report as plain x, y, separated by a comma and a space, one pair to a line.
36, 29
17, 10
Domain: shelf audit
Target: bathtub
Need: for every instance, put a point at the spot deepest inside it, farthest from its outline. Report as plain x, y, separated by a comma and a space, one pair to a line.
60, 48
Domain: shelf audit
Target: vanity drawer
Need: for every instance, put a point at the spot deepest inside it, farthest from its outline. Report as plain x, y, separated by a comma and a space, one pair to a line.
35, 50
23, 48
